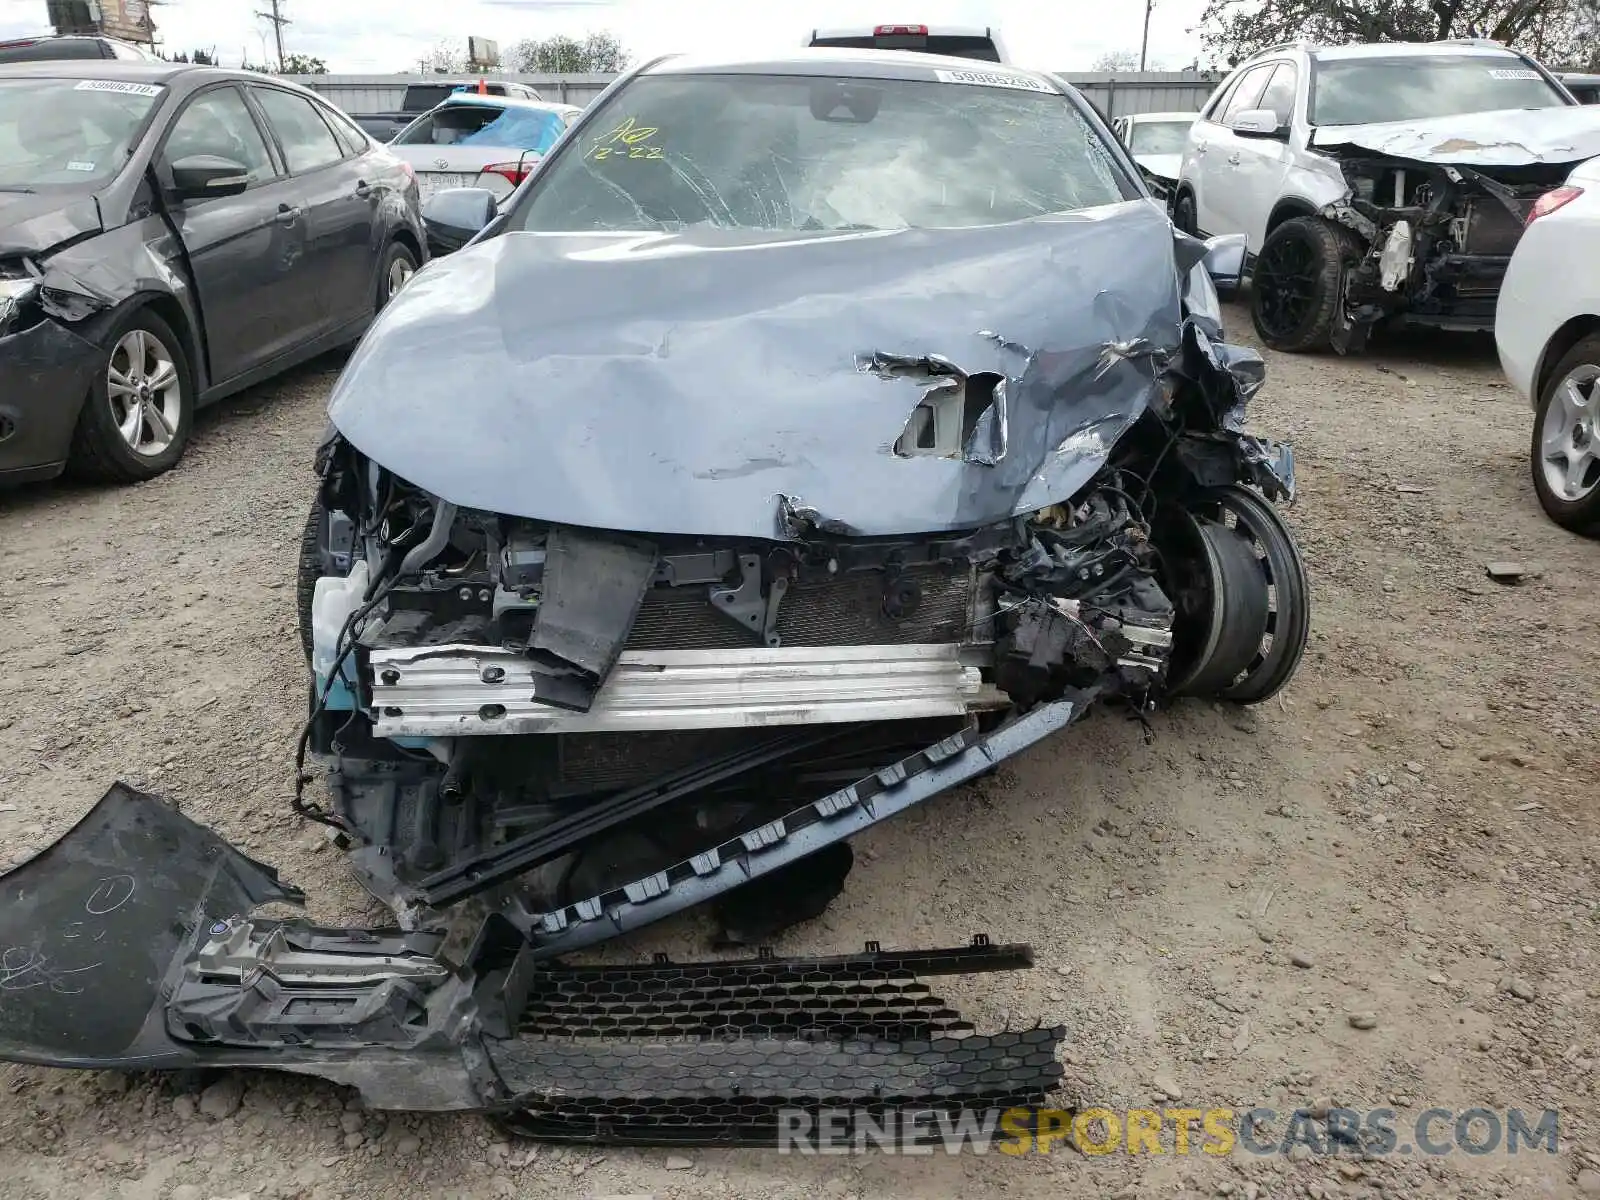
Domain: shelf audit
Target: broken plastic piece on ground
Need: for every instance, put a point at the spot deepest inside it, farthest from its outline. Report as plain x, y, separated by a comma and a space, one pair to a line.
1513, 572
129, 943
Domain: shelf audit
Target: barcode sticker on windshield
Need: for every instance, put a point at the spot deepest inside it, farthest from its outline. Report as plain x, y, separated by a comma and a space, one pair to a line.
1514, 74
118, 85
992, 79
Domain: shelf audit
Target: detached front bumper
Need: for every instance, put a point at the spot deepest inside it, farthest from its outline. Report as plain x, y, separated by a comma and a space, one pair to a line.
130, 943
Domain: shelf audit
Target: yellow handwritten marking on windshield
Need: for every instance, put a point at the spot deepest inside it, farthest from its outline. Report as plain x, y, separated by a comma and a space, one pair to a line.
627, 140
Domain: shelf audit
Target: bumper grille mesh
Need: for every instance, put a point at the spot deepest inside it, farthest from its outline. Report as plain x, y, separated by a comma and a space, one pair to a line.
711, 1052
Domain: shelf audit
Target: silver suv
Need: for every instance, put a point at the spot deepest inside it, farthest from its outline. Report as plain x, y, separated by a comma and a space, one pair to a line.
1376, 183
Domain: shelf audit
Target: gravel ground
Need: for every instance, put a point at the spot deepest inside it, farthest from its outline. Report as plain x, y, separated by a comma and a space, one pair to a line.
1407, 834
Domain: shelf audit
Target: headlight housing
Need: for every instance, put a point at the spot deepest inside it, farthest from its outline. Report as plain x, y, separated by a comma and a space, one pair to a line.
17, 295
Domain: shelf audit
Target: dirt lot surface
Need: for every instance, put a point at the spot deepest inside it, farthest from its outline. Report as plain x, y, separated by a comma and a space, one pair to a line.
1405, 839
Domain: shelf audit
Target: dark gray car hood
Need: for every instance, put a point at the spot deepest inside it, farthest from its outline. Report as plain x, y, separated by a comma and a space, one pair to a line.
701, 382
33, 223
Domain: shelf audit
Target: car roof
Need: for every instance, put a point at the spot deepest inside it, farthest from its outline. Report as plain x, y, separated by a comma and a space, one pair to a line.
829, 61
1578, 77
472, 98
973, 31
1410, 50
119, 69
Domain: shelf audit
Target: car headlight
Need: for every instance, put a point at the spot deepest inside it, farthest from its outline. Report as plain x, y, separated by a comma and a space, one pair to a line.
15, 296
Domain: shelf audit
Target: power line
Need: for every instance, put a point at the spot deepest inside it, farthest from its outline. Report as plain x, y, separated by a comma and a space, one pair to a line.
279, 21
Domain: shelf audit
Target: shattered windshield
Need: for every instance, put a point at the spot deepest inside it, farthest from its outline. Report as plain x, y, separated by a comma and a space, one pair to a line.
1159, 137
482, 125
802, 153
68, 132
1362, 91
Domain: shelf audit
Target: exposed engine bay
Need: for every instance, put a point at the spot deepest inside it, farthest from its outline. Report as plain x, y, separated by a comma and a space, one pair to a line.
1434, 240
534, 730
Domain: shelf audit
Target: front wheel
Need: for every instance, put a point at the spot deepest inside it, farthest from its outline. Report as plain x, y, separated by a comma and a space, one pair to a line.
1566, 441
1295, 288
399, 265
135, 423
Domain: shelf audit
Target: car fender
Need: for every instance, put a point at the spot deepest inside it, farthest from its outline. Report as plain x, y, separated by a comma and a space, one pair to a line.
91, 285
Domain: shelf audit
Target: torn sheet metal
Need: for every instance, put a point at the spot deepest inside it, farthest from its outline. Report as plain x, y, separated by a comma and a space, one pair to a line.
634, 381
1510, 138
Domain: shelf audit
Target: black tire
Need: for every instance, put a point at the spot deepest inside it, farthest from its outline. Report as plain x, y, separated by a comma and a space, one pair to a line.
398, 253
100, 453
1183, 215
307, 571
1294, 290
1582, 515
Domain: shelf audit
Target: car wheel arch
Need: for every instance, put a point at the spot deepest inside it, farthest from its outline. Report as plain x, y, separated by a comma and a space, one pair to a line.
1287, 210
1560, 344
404, 237
179, 319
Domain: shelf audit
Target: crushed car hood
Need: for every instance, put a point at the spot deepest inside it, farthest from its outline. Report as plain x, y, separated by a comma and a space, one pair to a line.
706, 382
34, 223
1515, 137
1162, 166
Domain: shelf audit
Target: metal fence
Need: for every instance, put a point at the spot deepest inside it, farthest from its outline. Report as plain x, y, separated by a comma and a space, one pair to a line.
1115, 95
1124, 94
384, 93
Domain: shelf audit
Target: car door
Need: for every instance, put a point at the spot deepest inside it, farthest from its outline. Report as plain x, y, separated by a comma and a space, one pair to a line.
1259, 164
337, 203
1216, 146
247, 253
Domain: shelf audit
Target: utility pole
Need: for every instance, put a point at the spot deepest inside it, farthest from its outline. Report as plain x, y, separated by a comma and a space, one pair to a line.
279, 21
1144, 46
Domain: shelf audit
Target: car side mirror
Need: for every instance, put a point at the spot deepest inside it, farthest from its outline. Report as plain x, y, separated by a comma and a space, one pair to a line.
208, 176
1258, 123
454, 216
1224, 262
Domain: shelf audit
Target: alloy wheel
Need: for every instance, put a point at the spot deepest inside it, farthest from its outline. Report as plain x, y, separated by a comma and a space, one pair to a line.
1569, 454
145, 392
1285, 284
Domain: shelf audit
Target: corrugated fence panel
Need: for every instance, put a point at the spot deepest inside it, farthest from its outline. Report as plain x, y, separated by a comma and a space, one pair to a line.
1122, 95
1114, 94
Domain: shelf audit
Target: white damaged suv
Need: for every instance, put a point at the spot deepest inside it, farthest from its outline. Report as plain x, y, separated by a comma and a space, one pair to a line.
1378, 183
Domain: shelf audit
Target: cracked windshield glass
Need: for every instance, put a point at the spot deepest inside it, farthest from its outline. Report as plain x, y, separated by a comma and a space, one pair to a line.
801, 154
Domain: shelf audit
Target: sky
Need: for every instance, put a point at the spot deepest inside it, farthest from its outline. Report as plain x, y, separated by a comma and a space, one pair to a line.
384, 36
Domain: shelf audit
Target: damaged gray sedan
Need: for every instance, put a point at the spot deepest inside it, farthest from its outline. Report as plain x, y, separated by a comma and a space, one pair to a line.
801, 440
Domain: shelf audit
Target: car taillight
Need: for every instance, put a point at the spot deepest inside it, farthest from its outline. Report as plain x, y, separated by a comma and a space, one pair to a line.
512, 172
1552, 200
900, 31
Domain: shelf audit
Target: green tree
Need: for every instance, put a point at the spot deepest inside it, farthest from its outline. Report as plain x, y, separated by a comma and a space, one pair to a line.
563, 55
201, 58
1560, 32
303, 64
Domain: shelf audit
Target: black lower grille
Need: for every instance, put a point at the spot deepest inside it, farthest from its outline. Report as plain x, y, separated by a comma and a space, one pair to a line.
714, 1052
845, 611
